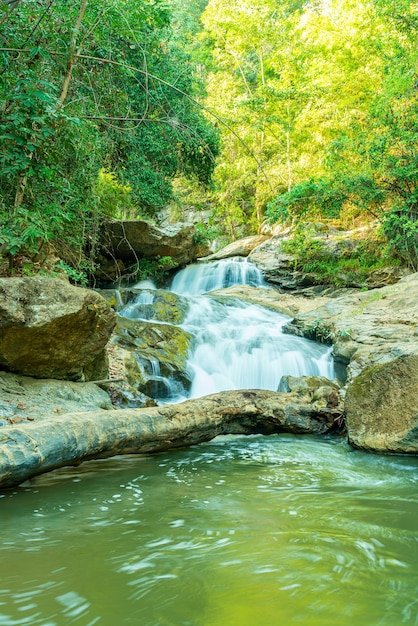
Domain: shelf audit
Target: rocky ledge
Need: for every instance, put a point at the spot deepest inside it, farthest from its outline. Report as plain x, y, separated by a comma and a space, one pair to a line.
375, 347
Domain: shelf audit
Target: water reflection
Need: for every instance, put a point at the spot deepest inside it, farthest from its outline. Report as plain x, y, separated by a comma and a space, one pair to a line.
238, 531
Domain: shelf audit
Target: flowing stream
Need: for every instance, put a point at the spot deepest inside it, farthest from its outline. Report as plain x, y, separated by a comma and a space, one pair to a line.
240, 531
236, 345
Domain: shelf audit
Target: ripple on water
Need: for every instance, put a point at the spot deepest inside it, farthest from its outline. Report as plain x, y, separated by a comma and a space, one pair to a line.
238, 531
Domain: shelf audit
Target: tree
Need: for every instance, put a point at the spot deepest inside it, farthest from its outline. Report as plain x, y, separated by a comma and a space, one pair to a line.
371, 166
81, 92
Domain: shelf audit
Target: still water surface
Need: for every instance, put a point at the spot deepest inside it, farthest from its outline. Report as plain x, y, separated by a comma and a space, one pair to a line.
237, 532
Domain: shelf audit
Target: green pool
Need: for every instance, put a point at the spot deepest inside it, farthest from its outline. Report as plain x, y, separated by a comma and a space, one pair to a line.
242, 531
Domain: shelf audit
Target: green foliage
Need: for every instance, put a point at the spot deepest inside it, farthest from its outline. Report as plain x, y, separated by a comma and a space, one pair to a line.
313, 198
323, 94
112, 144
113, 198
401, 229
156, 270
320, 331
350, 267
205, 233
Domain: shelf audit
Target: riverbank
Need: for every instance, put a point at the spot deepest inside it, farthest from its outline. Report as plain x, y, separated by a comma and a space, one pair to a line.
374, 335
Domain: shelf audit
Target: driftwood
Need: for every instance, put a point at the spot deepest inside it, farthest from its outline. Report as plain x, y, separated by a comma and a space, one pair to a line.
29, 449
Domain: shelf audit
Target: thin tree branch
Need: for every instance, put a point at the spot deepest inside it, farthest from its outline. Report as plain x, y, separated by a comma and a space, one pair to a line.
169, 85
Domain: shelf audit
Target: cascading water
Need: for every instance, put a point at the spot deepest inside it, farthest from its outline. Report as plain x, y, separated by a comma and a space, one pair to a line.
236, 345
241, 345
203, 277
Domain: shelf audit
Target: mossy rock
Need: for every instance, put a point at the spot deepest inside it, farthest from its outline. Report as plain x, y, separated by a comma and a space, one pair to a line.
150, 304
157, 351
382, 407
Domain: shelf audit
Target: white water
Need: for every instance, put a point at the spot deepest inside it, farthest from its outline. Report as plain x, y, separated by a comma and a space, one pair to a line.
237, 345
203, 277
241, 345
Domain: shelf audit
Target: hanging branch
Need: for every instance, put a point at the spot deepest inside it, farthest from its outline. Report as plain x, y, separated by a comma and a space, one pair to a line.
170, 86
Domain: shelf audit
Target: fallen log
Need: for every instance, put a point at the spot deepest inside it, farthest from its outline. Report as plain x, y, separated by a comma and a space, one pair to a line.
29, 449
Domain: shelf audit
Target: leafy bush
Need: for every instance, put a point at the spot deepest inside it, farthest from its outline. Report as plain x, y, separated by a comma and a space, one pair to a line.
350, 267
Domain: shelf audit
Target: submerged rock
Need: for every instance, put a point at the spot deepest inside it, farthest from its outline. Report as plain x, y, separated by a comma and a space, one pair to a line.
51, 329
382, 407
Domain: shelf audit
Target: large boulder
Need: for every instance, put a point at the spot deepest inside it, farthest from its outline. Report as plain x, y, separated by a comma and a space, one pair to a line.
366, 327
382, 407
51, 329
241, 247
129, 241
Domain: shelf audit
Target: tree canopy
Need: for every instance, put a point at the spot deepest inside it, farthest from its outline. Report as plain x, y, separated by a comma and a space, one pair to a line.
104, 104
325, 94
96, 117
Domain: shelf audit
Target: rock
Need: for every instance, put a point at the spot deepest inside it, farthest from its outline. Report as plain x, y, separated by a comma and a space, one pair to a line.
150, 358
130, 240
366, 328
241, 247
24, 398
154, 356
382, 407
29, 449
109, 270
123, 393
318, 390
154, 305
279, 266
51, 329
271, 299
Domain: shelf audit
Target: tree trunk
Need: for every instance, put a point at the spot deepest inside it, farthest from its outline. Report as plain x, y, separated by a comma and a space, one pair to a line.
29, 449
72, 53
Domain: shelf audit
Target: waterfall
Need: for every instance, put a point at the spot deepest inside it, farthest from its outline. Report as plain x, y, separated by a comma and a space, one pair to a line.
236, 345
203, 277
241, 345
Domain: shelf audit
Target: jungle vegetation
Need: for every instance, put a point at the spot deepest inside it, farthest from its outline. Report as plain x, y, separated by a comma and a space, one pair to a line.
279, 111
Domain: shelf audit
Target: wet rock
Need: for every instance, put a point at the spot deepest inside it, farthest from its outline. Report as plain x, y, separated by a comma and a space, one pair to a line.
270, 298
154, 305
51, 329
154, 356
382, 407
